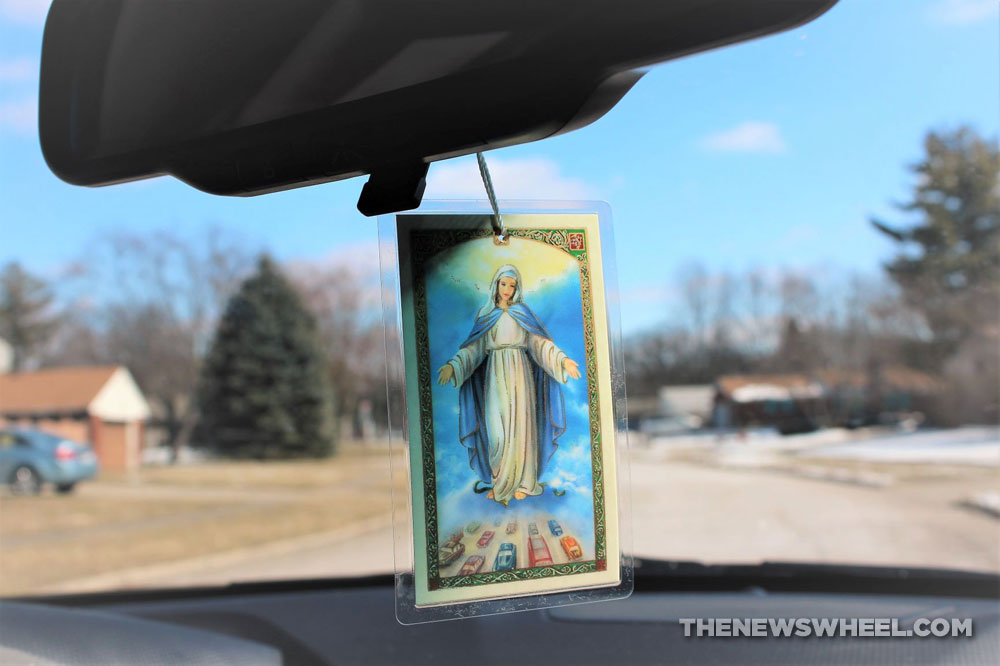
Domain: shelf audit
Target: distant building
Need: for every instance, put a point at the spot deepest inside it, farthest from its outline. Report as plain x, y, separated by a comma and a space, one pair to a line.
642, 408
101, 405
679, 409
688, 401
791, 403
832, 397
859, 397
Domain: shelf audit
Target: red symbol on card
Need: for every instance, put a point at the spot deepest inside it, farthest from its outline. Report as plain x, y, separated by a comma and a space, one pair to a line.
576, 243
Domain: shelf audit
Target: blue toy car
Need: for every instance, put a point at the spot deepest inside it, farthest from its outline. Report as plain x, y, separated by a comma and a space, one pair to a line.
506, 558
555, 527
31, 458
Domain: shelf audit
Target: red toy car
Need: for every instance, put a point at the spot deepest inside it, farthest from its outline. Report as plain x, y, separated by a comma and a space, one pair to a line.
538, 552
485, 539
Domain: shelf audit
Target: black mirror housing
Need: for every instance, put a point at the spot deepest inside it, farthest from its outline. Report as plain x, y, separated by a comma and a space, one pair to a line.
244, 97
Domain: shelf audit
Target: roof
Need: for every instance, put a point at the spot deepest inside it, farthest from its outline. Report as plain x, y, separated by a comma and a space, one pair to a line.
895, 377
756, 388
53, 389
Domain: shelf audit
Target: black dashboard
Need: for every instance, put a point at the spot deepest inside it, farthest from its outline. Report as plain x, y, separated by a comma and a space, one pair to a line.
324, 623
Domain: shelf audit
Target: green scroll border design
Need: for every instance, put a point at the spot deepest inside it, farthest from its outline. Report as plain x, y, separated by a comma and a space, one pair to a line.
425, 244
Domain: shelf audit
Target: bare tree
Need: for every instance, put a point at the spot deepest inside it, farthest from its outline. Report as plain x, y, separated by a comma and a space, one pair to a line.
343, 294
773, 321
159, 297
26, 318
695, 283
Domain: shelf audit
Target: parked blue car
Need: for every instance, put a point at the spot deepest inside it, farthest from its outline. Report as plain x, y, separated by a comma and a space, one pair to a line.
506, 558
31, 458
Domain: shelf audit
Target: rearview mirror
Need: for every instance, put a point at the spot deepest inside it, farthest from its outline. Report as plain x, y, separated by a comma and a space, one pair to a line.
243, 97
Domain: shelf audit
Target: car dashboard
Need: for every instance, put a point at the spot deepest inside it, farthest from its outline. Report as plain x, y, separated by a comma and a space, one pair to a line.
352, 621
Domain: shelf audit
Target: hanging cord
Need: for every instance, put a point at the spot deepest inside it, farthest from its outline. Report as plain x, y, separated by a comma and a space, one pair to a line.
499, 231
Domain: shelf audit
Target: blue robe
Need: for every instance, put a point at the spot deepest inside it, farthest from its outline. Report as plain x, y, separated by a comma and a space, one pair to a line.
550, 409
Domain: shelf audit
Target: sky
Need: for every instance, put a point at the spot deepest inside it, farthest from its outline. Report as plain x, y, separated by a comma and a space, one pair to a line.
772, 153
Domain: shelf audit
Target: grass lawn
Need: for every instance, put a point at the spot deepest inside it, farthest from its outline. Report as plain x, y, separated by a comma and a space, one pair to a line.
166, 514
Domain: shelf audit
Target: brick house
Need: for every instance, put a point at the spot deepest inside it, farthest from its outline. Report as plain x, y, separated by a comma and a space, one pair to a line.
101, 405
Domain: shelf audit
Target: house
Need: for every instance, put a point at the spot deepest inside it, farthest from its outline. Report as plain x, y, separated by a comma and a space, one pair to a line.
830, 397
791, 403
691, 402
101, 405
675, 410
877, 394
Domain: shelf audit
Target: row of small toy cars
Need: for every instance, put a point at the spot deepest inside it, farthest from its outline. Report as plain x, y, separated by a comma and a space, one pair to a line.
506, 558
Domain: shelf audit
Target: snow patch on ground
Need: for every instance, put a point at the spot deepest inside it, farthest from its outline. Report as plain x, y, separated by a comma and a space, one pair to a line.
970, 445
985, 502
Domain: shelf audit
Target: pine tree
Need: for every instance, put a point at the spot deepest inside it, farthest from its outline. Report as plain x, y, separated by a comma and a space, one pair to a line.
264, 391
949, 261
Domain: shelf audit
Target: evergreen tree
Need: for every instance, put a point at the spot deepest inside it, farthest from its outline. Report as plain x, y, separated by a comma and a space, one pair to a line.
949, 261
264, 390
25, 321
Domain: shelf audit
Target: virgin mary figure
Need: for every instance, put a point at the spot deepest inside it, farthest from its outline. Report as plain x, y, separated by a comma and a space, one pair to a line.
511, 410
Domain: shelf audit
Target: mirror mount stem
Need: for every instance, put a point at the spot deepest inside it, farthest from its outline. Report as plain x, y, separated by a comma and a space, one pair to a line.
393, 188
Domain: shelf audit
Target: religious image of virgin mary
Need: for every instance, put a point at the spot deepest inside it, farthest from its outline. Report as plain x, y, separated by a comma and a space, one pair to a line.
511, 410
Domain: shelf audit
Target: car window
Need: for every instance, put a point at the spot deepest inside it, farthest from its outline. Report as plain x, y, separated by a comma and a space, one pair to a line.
806, 232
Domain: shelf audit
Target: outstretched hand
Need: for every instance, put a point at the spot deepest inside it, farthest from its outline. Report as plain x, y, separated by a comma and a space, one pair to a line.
571, 368
445, 374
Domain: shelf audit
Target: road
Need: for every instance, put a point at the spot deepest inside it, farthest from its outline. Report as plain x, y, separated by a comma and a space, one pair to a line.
692, 512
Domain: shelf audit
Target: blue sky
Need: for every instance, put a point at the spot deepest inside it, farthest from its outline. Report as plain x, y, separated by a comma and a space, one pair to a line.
766, 154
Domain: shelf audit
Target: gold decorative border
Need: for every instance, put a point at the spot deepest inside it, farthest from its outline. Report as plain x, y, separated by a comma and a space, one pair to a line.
425, 244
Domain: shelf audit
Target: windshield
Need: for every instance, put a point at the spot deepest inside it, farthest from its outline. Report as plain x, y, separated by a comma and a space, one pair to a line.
807, 238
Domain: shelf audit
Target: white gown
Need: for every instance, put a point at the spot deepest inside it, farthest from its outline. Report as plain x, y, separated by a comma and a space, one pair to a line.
510, 400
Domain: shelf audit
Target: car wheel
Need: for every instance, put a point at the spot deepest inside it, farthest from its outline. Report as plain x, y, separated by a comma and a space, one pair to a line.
65, 488
25, 481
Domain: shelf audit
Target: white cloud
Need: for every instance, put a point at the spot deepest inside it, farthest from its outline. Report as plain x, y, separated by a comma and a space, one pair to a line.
358, 256
962, 12
523, 178
564, 480
353, 265
31, 12
748, 137
578, 451
18, 70
359, 259
19, 117
799, 236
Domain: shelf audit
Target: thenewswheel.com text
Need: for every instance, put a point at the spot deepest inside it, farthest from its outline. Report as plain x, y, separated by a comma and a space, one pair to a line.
877, 627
